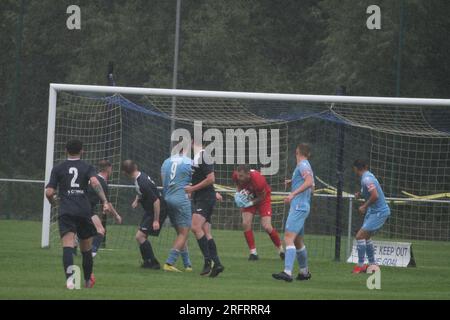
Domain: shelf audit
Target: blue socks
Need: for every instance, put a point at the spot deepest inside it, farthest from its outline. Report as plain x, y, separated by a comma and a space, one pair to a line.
289, 259
361, 248
185, 256
302, 258
370, 252
173, 256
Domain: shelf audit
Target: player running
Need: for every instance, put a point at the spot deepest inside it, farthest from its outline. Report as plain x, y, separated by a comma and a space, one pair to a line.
253, 195
302, 185
176, 174
376, 212
204, 197
149, 197
71, 179
105, 170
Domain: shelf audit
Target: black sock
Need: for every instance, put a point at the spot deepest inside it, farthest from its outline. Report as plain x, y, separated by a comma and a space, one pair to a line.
88, 264
147, 251
203, 244
213, 251
67, 259
97, 242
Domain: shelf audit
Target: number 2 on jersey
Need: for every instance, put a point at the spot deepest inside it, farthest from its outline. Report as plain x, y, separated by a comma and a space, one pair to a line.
73, 182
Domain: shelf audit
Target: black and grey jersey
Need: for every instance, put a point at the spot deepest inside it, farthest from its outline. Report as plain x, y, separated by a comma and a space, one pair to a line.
71, 179
147, 190
201, 169
93, 196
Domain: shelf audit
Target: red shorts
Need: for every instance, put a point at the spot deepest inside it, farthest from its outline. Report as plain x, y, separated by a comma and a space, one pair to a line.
264, 208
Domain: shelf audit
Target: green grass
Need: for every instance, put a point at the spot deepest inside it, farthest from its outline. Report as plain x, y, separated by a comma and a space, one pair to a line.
28, 272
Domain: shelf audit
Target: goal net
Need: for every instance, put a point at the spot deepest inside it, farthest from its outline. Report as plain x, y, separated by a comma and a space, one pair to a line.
407, 143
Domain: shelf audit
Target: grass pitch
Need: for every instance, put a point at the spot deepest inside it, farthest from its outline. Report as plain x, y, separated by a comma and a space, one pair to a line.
29, 272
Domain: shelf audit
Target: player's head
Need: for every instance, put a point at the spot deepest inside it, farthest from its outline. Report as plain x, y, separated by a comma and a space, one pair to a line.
105, 167
243, 174
128, 168
74, 147
303, 150
360, 166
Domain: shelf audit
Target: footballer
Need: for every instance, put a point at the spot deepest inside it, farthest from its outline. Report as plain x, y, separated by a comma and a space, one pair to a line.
253, 196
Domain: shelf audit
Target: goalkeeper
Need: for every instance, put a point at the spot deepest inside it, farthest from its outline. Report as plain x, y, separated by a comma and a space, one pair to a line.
252, 196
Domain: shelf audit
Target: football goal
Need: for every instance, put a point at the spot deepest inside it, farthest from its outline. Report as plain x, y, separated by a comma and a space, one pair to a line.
405, 140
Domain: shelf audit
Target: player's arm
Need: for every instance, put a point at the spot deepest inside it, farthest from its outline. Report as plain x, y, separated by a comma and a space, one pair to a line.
156, 210
260, 196
50, 189
50, 194
372, 199
97, 187
115, 214
209, 180
309, 183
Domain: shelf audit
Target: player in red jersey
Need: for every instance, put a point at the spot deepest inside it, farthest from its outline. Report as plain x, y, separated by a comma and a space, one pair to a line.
255, 190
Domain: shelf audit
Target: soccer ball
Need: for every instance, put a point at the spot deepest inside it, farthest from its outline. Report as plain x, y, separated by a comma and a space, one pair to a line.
372, 268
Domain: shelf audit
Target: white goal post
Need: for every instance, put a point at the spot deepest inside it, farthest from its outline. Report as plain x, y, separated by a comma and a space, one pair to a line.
302, 98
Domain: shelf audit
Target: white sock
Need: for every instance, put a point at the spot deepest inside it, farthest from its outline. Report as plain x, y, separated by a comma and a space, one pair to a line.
253, 251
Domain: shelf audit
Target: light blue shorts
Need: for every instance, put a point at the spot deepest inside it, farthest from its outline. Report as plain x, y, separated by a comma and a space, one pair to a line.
374, 221
180, 214
296, 218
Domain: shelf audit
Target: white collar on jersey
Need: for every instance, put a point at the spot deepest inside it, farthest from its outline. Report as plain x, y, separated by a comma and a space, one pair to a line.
73, 159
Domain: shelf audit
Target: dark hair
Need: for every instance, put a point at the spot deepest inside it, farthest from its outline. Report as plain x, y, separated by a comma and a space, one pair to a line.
304, 149
128, 166
360, 164
243, 167
74, 147
104, 164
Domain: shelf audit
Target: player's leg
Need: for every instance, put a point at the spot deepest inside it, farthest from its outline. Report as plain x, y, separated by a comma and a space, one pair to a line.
198, 220
145, 247
361, 237
186, 258
67, 231
294, 227
372, 223
178, 245
302, 257
218, 267
286, 274
98, 238
88, 262
266, 222
86, 230
247, 219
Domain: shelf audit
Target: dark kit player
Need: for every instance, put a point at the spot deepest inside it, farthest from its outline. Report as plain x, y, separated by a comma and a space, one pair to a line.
203, 198
71, 178
149, 197
103, 175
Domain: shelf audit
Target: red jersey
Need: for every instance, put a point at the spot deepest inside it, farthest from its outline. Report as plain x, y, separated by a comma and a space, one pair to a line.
256, 185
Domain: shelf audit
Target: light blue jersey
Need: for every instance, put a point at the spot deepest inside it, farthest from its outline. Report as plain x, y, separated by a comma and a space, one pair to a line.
176, 173
302, 170
369, 183
300, 205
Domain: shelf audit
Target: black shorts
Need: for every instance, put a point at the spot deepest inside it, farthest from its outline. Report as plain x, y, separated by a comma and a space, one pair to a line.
146, 224
204, 207
83, 227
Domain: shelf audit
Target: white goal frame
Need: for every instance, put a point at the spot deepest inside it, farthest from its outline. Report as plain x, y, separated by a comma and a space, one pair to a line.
56, 87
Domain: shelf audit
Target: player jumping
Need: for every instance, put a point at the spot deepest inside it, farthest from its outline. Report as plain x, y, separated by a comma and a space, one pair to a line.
71, 178
299, 198
176, 173
149, 197
376, 212
203, 197
253, 195
105, 170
